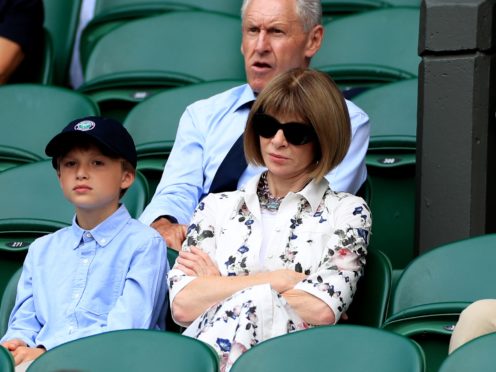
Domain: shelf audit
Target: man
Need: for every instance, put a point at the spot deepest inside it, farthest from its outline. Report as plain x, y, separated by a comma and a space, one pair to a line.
21, 40
277, 35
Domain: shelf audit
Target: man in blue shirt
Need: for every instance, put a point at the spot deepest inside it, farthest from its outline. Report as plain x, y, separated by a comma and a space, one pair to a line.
277, 35
105, 272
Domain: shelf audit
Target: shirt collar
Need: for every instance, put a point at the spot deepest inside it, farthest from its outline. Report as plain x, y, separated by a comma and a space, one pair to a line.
313, 192
106, 231
245, 98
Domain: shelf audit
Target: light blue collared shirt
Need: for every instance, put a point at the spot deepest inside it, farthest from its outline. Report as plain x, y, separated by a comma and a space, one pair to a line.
76, 283
208, 129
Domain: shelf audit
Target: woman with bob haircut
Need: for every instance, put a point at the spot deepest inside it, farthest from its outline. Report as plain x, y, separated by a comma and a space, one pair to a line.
286, 252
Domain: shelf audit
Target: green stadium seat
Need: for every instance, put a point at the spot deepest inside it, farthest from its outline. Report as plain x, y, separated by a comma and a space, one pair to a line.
110, 14
45, 75
371, 48
370, 304
391, 165
349, 348
134, 350
145, 55
153, 123
476, 355
61, 21
435, 287
31, 114
6, 360
8, 301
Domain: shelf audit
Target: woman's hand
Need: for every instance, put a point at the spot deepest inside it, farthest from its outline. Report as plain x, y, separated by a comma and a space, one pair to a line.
196, 263
284, 279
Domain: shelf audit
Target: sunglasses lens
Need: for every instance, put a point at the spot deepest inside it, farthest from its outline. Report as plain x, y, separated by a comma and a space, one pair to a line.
298, 134
295, 133
265, 126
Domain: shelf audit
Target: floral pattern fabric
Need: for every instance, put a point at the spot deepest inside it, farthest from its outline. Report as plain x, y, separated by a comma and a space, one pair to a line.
318, 232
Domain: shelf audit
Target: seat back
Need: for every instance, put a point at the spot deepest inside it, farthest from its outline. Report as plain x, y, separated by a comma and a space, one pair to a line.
391, 166
160, 59
31, 114
7, 301
153, 123
476, 355
117, 351
61, 21
435, 287
333, 348
204, 37
445, 275
110, 14
371, 47
6, 360
369, 306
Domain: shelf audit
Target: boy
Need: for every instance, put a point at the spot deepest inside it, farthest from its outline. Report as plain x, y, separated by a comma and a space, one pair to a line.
105, 272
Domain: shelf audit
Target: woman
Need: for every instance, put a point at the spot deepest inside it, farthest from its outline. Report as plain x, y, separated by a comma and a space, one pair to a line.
286, 252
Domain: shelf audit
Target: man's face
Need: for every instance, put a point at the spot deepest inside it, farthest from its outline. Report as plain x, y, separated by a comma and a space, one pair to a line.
274, 41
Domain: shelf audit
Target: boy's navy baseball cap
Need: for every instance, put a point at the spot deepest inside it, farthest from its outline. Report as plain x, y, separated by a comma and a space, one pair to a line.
107, 132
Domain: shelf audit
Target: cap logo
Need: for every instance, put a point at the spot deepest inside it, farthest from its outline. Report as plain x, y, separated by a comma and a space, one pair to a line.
84, 125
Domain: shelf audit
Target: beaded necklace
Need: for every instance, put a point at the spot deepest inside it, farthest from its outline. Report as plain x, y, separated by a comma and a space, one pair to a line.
267, 200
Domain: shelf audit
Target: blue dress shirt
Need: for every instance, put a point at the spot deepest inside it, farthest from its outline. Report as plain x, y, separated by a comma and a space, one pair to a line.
77, 283
208, 129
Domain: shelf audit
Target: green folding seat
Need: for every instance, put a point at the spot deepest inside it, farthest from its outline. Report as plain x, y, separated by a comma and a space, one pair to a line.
348, 348
110, 14
61, 22
371, 48
476, 355
31, 114
153, 123
133, 350
435, 287
145, 55
369, 306
32, 204
391, 166
7, 301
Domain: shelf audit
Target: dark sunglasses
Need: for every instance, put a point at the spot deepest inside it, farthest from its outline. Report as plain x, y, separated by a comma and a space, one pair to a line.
295, 133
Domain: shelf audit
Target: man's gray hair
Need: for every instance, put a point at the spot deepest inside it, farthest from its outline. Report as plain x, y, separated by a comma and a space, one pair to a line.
309, 12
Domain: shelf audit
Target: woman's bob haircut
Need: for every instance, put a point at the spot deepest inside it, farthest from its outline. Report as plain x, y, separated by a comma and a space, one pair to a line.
312, 97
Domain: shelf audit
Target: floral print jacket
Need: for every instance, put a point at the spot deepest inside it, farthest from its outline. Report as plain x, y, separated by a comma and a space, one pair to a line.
319, 232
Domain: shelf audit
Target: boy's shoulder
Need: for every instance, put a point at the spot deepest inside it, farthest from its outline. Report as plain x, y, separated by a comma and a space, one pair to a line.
135, 227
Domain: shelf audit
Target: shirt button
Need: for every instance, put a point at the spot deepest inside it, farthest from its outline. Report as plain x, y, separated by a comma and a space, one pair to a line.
104, 241
88, 235
85, 261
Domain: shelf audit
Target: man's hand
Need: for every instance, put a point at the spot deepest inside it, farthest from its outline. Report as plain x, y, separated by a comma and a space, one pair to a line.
196, 263
173, 233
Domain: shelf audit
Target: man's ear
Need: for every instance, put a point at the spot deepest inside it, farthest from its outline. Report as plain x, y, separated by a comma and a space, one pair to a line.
314, 41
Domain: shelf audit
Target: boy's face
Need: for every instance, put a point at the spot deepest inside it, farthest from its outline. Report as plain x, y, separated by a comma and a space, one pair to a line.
92, 181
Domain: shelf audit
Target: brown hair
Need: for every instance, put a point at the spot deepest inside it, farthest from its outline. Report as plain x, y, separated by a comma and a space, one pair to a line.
313, 97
